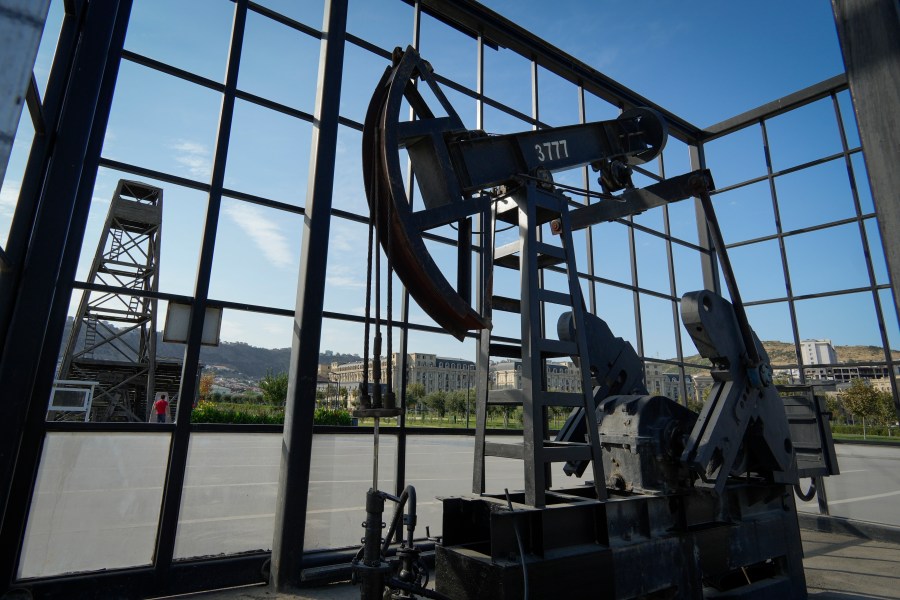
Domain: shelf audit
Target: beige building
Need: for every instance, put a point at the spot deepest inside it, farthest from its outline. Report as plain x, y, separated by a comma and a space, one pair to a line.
562, 376
660, 383
433, 372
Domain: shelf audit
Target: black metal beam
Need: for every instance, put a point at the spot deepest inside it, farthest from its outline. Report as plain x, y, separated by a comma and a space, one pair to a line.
293, 488
869, 32
788, 103
64, 181
502, 32
172, 494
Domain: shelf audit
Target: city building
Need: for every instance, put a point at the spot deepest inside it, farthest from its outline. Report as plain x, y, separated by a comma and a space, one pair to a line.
817, 352
561, 376
660, 383
433, 372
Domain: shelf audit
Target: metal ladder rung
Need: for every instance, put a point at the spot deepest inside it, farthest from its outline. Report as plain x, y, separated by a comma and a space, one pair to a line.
557, 348
555, 297
506, 304
570, 399
565, 453
549, 250
505, 350
504, 450
506, 250
510, 397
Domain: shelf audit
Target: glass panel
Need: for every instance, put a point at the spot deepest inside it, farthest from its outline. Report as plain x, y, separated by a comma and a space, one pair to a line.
172, 129
308, 13
803, 134
183, 218
507, 79
829, 259
815, 195
453, 54
230, 488
772, 324
736, 157
557, 99
652, 262
340, 475
616, 307
658, 328
688, 271
385, 23
96, 503
611, 252
683, 221
758, 271
268, 154
293, 82
362, 70
257, 255
15, 171
167, 31
846, 320
745, 213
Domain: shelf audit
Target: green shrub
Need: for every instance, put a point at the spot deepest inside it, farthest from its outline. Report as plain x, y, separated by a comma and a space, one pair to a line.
209, 412
325, 416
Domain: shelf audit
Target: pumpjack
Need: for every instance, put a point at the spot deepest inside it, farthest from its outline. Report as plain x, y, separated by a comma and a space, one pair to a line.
676, 504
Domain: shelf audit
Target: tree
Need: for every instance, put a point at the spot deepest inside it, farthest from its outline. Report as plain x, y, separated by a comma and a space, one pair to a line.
456, 402
274, 388
414, 394
206, 385
437, 401
861, 399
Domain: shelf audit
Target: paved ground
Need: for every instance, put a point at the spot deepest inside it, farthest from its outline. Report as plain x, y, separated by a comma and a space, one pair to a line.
838, 567
98, 495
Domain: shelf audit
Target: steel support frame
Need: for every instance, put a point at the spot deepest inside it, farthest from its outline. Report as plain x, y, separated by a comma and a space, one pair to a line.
869, 33
60, 182
293, 487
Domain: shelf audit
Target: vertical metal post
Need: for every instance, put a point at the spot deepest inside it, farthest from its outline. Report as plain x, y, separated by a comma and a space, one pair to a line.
776, 210
42, 293
709, 264
870, 269
21, 24
168, 520
293, 481
869, 32
588, 232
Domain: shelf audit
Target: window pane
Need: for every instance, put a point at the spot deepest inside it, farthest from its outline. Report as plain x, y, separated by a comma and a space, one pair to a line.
96, 503
230, 488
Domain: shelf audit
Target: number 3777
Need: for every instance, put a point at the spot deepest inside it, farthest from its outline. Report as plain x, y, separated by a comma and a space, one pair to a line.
554, 150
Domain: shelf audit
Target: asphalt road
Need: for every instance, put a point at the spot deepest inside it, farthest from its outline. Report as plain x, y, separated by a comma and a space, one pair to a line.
98, 496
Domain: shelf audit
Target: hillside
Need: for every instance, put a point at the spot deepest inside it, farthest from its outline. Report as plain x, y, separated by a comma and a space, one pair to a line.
782, 354
238, 358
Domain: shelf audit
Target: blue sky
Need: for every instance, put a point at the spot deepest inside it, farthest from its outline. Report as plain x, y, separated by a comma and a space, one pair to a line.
703, 60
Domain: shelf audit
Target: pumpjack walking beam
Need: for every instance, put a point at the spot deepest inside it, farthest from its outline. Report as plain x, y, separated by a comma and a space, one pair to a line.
529, 208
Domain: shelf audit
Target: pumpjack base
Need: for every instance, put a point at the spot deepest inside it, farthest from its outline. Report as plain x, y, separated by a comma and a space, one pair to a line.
743, 545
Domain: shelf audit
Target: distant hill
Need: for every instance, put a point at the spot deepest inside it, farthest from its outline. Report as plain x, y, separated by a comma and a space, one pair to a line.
243, 360
783, 353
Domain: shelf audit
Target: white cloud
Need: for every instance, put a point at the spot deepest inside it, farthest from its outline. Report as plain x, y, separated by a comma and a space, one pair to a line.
345, 276
195, 157
9, 196
264, 232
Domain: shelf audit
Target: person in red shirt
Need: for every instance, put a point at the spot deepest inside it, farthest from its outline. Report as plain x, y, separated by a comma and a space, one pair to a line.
161, 406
